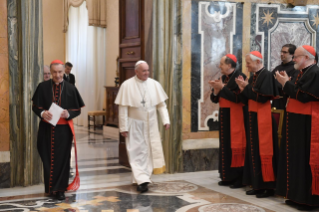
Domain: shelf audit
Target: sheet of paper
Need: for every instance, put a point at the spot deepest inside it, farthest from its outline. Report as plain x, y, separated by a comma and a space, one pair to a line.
56, 112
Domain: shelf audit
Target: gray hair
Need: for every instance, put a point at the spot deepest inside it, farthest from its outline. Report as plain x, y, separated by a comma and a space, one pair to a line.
46, 66
54, 64
311, 57
254, 58
139, 63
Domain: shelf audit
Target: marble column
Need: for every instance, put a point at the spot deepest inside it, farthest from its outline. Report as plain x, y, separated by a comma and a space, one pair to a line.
4, 99
26, 71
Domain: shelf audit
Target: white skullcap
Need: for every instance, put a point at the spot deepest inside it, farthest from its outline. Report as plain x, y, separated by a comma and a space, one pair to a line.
139, 63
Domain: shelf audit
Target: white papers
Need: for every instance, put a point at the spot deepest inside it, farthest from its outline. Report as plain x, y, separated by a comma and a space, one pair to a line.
56, 112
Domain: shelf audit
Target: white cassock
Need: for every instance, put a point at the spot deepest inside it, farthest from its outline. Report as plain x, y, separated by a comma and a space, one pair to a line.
139, 119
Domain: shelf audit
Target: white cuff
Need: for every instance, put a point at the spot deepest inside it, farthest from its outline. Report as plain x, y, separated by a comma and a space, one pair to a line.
161, 107
123, 116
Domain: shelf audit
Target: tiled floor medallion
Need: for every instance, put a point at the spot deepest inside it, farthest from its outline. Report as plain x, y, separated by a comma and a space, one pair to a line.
99, 201
230, 207
172, 187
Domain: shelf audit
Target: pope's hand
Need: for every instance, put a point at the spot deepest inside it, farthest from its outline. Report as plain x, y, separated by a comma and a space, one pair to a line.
47, 115
65, 114
167, 126
124, 134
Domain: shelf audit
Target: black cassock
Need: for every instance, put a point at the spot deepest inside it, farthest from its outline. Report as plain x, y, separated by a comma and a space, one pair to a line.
294, 174
231, 93
54, 143
291, 72
261, 88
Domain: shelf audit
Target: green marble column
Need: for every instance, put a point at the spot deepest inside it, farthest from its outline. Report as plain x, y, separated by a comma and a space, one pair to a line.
26, 71
167, 69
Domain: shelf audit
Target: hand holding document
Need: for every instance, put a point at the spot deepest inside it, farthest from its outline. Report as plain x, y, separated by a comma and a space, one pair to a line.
56, 112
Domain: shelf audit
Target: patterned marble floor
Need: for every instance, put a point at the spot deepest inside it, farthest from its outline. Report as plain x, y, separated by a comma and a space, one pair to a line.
106, 187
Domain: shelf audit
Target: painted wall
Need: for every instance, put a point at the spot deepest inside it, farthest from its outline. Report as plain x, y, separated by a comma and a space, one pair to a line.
112, 40
53, 36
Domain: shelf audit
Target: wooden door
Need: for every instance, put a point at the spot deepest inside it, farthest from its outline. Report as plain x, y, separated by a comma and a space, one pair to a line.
131, 49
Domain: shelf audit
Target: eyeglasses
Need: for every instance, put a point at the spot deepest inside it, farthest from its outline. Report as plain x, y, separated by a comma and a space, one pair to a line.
296, 56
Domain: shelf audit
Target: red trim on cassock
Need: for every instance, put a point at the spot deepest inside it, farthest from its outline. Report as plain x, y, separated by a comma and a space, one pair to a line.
76, 182
222, 145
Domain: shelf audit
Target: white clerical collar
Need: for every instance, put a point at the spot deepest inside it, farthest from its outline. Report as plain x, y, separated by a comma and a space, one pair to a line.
138, 80
58, 82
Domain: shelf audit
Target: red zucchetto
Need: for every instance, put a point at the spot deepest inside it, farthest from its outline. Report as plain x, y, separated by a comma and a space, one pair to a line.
257, 54
233, 57
57, 62
310, 49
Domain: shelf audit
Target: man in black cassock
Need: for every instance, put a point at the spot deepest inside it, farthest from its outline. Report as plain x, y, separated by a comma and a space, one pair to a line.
262, 147
232, 136
286, 55
298, 168
54, 143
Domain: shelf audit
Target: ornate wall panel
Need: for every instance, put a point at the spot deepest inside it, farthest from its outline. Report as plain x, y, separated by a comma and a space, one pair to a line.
216, 31
274, 25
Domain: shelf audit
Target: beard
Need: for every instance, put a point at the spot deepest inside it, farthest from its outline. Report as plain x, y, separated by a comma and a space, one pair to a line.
296, 66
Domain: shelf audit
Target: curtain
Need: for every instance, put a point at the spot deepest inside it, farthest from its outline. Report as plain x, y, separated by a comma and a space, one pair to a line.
85, 49
167, 69
96, 12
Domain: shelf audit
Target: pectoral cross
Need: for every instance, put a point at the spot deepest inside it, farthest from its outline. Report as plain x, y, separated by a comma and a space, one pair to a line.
143, 102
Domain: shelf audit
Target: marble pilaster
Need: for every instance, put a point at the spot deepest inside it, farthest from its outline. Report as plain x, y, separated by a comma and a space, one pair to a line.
4, 79
4, 99
25, 66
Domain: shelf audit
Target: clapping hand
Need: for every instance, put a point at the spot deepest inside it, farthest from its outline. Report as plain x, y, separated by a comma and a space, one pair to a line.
282, 77
241, 82
217, 85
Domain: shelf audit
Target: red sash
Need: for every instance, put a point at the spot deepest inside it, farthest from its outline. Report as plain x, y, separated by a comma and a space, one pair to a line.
264, 121
237, 131
312, 109
76, 181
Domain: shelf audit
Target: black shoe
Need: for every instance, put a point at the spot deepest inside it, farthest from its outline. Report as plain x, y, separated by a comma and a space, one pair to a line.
225, 183
291, 203
254, 192
60, 195
301, 207
266, 193
237, 184
142, 187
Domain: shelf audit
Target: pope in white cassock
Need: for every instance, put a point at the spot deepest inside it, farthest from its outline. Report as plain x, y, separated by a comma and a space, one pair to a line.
138, 98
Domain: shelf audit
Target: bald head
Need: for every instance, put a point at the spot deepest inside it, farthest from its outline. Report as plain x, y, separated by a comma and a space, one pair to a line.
46, 73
